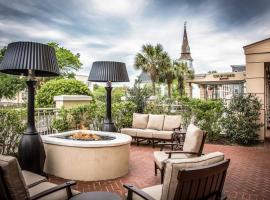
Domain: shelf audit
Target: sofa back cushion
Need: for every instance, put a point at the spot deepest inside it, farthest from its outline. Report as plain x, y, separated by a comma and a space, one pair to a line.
173, 166
139, 120
171, 122
13, 178
155, 122
193, 139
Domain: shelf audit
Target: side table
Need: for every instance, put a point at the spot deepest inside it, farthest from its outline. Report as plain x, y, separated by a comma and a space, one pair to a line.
96, 196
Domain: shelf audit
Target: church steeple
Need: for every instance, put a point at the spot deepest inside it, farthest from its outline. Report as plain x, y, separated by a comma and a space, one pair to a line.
185, 53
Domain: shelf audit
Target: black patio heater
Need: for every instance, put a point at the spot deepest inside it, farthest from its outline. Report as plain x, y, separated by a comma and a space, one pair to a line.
108, 71
32, 60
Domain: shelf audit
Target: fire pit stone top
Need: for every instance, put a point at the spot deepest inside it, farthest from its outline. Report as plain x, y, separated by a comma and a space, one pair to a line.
87, 138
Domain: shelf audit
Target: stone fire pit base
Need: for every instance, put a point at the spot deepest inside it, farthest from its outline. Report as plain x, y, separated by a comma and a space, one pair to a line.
87, 160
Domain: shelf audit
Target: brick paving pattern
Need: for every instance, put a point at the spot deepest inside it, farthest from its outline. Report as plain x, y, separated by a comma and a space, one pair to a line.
248, 175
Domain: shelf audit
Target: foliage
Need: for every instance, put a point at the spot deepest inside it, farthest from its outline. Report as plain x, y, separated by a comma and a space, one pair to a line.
241, 119
10, 85
138, 95
11, 129
182, 72
67, 61
99, 93
151, 59
81, 116
57, 87
167, 74
207, 115
91, 116
123, 113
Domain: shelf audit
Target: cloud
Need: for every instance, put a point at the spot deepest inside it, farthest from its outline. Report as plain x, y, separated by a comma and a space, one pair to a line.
116, 30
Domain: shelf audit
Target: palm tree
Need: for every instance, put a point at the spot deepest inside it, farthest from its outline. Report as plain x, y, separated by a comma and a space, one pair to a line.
150, 60
182, 72
167, 75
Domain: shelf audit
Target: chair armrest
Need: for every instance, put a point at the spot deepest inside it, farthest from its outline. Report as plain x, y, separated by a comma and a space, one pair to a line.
167, 144
179, 152
66, 185
132, 189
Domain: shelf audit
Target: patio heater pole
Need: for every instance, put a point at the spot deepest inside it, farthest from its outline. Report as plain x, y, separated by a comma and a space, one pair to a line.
31, 149
108, 123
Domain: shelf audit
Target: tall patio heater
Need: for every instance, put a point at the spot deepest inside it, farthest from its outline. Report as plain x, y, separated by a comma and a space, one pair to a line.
108, 71
32, 60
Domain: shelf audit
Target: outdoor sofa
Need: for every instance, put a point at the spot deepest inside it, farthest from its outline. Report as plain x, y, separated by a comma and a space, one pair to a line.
190, 178
154, 128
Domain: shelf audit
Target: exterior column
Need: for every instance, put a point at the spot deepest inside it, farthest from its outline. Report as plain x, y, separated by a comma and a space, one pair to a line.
202, 91
188, 89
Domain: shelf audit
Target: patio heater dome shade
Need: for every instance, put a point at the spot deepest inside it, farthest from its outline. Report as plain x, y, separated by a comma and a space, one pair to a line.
20, 57
108, 71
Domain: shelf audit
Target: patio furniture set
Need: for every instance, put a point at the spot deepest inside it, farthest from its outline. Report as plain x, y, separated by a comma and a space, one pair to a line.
185, 174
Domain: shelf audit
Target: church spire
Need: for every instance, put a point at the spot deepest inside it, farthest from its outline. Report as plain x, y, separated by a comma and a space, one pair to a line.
185, 53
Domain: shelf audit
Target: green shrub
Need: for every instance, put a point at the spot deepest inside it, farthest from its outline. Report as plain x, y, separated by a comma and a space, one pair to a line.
207, 115
123, 114
240, 121
92, 116
139, 95
55, 87
74, 118
11, 130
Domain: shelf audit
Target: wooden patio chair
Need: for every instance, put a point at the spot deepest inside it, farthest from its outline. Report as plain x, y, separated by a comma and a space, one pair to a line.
197, 183
192, 147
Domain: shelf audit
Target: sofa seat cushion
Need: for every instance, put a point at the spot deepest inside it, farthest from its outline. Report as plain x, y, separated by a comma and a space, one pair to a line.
130, 131
59, 195
174, 165
166, 135
155, 122
139, 120
145, 133
160, 157
154, 191
193, 139
13, 178
32, 179
171, 122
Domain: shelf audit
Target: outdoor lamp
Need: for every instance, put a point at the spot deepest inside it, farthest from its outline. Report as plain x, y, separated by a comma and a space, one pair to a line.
108, 71
32, 60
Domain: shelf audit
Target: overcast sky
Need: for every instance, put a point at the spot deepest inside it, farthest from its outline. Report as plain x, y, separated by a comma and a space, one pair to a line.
116, 29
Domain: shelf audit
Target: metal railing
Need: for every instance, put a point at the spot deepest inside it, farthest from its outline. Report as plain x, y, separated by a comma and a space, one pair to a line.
44, 118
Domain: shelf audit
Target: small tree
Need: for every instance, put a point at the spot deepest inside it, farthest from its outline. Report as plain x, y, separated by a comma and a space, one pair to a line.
138, 95
68, 62
240, 121
57, 87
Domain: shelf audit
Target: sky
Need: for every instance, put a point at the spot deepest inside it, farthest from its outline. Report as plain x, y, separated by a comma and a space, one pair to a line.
116, 29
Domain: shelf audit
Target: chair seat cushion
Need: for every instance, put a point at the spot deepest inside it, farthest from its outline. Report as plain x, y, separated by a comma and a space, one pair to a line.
59, 195
166, 135
130, 131
145, 133
32, 179
160, 157
154, 191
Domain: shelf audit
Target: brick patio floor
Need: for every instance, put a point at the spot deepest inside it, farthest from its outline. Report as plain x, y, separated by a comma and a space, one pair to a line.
248, 175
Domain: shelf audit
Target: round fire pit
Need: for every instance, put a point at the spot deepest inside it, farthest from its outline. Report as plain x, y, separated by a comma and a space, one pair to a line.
87, 155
